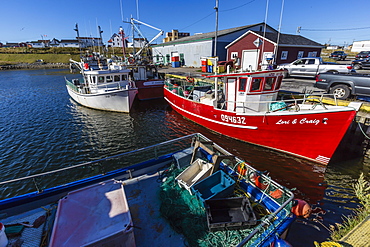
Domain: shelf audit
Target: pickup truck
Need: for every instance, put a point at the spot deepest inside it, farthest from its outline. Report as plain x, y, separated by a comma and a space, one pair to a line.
311, 66
344, 85
361, 64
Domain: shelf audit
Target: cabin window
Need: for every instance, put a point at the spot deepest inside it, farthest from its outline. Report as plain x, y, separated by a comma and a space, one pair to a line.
242, 84
93, 79
109, 78
256, 84
101, 79
117, 78
124, 77
269, 83
278, 82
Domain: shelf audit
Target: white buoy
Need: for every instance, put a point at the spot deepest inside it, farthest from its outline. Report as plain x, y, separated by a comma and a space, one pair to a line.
3, 238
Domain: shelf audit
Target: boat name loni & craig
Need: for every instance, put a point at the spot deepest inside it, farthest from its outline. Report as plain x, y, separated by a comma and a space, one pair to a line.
301, 121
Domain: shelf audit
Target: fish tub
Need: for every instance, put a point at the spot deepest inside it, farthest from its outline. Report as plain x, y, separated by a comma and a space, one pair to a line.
196, 172
230, 214
218, 185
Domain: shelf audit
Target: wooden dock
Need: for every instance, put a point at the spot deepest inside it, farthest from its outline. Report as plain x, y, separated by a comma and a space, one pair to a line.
358, 236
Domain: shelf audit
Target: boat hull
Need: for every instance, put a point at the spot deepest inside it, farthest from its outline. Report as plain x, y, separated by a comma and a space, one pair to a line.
117, 100
314, 136
152, 89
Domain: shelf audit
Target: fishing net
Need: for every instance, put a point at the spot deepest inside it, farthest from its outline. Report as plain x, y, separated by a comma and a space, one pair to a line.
187, 216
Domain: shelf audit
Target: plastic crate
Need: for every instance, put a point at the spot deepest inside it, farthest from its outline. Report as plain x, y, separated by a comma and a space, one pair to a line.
218, 185
229, 213
198, 171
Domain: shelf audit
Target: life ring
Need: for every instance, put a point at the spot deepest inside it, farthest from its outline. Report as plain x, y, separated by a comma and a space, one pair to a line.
86, 65
190, 79
301, 208
131, 60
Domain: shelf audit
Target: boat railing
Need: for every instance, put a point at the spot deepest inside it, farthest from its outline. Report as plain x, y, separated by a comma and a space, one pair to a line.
71, 85
295, 103
98, 167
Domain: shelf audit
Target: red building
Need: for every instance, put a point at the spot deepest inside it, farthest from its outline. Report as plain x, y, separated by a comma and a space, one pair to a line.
256, 50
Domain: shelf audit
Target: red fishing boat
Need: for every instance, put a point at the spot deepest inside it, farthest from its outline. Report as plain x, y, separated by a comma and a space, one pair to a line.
245, 106
148, 80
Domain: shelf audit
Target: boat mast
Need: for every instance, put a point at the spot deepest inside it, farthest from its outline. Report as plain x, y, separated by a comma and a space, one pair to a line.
215, 53
78, 39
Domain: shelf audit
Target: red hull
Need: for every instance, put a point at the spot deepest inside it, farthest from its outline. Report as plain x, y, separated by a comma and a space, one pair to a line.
151, 89
312, 136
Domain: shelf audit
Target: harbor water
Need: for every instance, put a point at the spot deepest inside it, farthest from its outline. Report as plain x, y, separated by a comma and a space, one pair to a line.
42, 129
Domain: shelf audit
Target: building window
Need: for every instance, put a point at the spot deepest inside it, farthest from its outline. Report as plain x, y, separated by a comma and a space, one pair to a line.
284, 55
312, 54
300, 54
234, 55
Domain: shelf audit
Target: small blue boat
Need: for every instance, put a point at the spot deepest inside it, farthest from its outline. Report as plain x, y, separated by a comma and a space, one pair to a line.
152, 196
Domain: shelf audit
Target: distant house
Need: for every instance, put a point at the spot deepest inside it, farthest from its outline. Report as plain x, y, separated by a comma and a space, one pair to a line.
116, 41
359, 46
174, 35
191, 49
39, 43
138, 43
1, 44
54, 43
257, 49
69, 43
89, 41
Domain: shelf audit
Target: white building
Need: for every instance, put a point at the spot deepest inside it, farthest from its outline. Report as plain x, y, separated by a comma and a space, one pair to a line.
359, 46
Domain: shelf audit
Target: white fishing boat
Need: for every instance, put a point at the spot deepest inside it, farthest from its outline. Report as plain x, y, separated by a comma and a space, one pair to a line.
138, 199
105, 86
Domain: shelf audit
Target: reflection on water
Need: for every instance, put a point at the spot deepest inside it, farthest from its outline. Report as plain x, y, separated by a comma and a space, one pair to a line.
42, 129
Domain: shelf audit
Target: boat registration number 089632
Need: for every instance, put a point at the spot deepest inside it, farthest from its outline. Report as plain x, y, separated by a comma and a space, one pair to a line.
233, 119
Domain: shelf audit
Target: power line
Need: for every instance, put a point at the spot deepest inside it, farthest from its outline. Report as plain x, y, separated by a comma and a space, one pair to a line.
219, 11
333, 30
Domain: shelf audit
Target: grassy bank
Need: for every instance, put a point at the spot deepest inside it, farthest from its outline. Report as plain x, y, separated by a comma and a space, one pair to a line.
8, 59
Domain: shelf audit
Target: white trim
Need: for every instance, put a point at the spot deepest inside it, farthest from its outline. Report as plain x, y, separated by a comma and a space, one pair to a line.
211, 120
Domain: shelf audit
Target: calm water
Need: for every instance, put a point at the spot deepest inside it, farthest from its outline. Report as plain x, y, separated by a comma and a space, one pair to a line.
42, 129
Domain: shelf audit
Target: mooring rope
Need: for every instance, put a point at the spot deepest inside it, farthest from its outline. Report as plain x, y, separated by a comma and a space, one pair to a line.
359, 125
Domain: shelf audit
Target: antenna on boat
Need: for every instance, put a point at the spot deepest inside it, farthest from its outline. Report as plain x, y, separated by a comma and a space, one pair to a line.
278, 37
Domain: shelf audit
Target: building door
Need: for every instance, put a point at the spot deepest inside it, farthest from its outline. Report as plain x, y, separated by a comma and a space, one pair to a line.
249, 60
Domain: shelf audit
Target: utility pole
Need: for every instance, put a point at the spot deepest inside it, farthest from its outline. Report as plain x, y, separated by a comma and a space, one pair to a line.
215, 45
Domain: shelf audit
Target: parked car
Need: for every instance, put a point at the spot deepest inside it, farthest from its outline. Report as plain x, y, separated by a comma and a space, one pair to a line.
338, 55
361, 64
363, 54
344, 85
311, 66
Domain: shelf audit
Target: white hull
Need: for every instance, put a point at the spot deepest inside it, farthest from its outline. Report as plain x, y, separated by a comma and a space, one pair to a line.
117, 100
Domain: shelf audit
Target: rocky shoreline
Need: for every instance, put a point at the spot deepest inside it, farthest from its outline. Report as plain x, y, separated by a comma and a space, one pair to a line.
34, 66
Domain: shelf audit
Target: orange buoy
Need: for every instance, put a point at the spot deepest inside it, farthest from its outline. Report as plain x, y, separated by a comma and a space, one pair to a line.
301, 208
276, 193
242, 169
260, 184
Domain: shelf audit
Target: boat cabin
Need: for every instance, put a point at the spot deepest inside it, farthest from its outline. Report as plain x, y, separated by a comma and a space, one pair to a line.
145, 72
104, 81
248, 92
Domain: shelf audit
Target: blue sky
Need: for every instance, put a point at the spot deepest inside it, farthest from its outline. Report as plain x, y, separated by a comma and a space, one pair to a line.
338, 22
